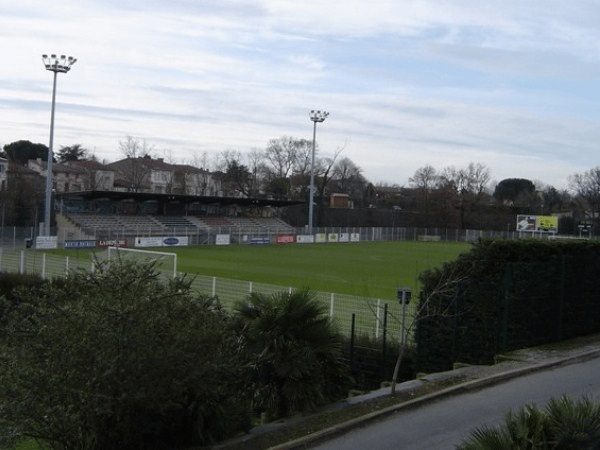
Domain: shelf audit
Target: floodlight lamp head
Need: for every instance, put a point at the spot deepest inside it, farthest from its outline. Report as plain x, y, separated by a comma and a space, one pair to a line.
318, 116
60, 64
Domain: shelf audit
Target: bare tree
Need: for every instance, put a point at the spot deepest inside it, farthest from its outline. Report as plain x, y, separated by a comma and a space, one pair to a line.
236, 176
324, 174
424, 181
463, 189
349, 180
587, 188
134, 148
255, 159
303, 156
134, 169
204, 180
281, 154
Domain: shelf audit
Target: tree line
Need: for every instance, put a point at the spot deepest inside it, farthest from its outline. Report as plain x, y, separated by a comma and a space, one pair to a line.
451, 197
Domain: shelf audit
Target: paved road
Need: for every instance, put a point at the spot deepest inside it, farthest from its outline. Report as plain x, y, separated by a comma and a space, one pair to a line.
445, 423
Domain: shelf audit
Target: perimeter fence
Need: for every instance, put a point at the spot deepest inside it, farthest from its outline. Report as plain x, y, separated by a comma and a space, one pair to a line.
376, 318
373, 317
20, 237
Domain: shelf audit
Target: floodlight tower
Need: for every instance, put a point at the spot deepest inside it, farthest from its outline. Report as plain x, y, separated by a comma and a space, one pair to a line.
315, 116
57, 65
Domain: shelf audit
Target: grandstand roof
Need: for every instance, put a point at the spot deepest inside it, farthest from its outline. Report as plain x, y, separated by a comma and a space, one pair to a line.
163, 198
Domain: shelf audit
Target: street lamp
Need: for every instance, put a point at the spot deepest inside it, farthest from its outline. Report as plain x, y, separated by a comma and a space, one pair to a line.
315, 116
55, 64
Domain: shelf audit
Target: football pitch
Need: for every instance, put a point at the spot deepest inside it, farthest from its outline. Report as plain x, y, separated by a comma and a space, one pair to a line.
365, 275
368, 269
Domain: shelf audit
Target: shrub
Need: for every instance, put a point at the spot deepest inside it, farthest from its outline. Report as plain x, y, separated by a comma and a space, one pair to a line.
296, 349
509, 295
372, 363
119, 359
564, 424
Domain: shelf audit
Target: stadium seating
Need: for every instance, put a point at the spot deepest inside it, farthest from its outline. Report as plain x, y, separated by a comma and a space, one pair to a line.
107, 225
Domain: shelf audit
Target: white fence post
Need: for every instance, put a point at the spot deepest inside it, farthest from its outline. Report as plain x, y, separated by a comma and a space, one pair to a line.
43, 266
331, 305
22, 264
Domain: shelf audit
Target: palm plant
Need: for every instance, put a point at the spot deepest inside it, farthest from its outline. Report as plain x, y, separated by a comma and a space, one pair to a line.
296, 352
574, 424
564, 424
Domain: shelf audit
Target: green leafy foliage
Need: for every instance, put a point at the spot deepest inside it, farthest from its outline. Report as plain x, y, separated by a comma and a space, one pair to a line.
372, 361
514, 294
564, 424
297, 364
22, 151
119, 359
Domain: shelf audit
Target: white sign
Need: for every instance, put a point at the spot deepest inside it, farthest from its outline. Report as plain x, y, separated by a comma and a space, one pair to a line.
148, 241
355, 237
305, 239
320, 237
333, 237
223, 239
46, 242
344, 237
175, 241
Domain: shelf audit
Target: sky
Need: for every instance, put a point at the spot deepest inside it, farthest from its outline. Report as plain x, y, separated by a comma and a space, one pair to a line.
512, 85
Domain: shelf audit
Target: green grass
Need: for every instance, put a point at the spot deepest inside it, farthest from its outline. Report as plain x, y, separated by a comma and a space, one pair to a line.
369, 269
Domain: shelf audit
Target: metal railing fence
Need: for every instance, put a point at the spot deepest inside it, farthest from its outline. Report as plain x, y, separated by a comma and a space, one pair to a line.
16, 237
368, 312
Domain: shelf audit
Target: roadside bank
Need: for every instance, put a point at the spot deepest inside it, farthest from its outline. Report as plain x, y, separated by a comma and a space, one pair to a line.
304, 431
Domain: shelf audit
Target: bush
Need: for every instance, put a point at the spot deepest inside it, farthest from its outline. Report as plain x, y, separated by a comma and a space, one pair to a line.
371, 363
506, 295
564, 424
297, 364
11, 282
119, 359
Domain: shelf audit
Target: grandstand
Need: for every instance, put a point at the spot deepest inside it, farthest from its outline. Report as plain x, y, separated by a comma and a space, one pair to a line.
126, 215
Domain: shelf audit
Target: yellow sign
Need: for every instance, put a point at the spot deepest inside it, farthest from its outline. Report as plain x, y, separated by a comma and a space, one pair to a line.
546, 223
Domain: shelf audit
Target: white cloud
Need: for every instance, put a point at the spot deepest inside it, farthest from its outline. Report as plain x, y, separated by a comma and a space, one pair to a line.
511, 84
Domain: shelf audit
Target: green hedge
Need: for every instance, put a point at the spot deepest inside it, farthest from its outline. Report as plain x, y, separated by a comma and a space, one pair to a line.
505, 295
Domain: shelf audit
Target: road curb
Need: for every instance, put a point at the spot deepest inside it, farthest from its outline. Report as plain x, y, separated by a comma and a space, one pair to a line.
468, 386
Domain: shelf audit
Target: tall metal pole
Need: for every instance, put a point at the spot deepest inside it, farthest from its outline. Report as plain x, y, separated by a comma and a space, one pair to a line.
48, 206
315, 116
312, 181
54, 64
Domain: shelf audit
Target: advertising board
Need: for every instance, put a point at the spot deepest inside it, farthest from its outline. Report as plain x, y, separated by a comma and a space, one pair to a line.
547, 223
112, 243
162, 241
148, 242
223, 239
534, 223
332, 237
46, 242
320, 237
305, 239
259, 240
79, 244
175, 241
285, 239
